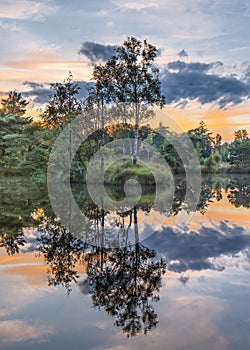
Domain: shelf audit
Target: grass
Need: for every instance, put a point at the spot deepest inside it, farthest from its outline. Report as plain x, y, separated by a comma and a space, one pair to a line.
121, 171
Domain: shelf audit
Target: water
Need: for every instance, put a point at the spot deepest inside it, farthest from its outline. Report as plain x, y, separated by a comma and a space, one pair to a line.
177, 288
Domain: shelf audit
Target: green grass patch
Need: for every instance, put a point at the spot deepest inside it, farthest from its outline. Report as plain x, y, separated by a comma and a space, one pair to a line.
121, 171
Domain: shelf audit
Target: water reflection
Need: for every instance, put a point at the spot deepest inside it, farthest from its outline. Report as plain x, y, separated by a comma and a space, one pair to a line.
239, 192
125, 282
122, 275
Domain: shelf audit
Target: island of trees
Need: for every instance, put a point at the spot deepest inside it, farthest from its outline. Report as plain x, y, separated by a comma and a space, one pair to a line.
120, 102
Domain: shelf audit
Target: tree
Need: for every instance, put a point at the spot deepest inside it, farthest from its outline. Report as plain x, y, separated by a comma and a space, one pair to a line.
239, 150
14, 104
14, 143
240, 134
131, 78
202, 140
63, 106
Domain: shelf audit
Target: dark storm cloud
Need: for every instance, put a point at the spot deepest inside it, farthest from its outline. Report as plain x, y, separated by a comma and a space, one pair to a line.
183, 82
97, 52
182, 54
41, 93
32, 84
195, 250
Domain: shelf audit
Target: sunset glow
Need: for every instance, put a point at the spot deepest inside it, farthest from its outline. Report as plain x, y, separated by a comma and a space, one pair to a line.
44, 40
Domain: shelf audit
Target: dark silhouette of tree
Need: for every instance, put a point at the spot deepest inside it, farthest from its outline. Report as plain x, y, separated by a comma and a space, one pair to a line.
14, 104
239, 192
63, 105
61, 251
12, 241
130, 78
240, 134
124, 281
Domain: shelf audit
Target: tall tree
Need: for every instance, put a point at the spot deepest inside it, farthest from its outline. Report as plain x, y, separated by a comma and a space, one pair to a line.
63, 105
131, 78
14, 104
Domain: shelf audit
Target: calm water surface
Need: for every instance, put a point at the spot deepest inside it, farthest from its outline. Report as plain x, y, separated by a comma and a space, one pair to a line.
178, 288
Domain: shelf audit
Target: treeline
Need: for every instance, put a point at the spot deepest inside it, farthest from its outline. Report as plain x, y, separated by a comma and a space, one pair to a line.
126, 88
25, 145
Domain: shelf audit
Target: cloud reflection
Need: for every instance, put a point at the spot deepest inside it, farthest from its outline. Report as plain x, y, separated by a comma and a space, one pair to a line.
195, 250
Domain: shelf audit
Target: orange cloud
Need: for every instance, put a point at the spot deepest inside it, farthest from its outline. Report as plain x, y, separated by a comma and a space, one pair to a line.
224, 122
42, 65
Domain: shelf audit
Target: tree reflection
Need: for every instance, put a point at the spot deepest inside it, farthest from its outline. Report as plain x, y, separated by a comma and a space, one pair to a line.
124, 282
210, 191
61, 251
239, 192
12, 241
18, 198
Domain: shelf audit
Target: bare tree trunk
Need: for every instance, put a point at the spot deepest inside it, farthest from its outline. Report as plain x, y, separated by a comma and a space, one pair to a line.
136, 226
103, 135
136, 134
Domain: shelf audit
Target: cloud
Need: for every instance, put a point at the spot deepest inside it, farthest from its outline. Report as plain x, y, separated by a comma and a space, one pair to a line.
10, 27
26, 9
14, 331
33, 85
196, 250
40, 93
183, 82
182, 54
97, 52
137, 5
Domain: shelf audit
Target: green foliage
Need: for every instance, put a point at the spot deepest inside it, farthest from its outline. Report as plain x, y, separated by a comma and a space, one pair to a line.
14, 143
209, 162
130, 78
239, 151
202, 140
217, 157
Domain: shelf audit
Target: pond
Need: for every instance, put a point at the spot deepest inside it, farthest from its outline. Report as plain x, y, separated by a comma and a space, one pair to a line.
155, 276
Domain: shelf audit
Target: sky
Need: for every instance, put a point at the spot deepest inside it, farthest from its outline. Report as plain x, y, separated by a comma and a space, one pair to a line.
204, 51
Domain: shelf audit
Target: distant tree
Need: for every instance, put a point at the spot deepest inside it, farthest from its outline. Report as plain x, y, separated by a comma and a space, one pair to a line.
213, 161
14, 104
239, 150
63, 105
240, 134
14, 143
202, 140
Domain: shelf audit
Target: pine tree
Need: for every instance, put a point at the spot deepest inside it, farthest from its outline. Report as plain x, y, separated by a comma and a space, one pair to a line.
14, 104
